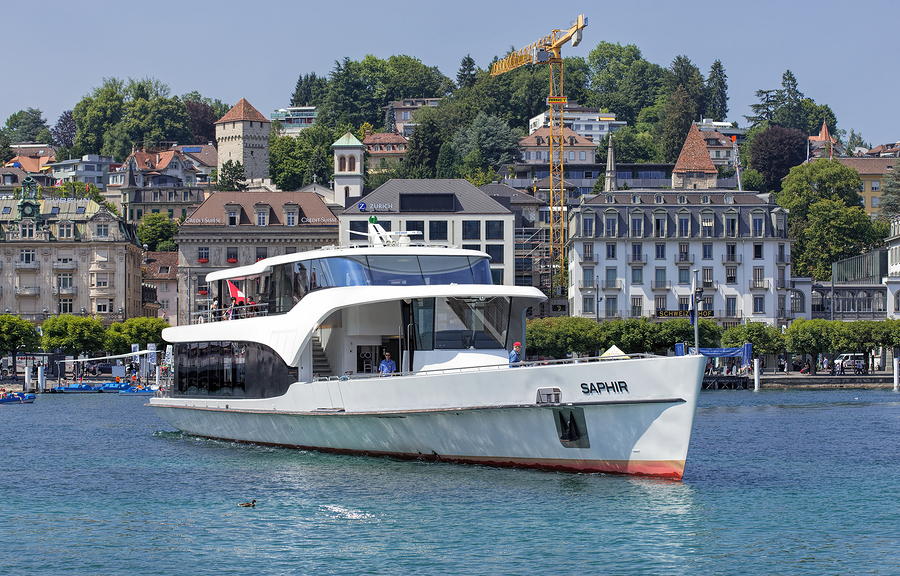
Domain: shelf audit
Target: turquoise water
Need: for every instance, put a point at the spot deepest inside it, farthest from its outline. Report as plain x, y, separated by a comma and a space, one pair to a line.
777, 482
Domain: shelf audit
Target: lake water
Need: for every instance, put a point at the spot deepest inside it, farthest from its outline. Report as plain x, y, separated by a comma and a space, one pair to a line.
777, 482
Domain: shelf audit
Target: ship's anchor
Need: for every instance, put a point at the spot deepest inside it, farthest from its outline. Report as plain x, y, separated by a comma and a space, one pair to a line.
568, 430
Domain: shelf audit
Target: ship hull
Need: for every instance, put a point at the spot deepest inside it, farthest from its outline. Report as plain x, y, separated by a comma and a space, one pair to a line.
625, 416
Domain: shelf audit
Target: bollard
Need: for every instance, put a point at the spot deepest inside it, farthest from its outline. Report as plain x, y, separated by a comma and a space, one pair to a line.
756, 374
27, 385
158, 371
42, 381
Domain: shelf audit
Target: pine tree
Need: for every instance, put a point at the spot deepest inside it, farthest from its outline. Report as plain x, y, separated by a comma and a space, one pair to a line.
717, 92
446, 162
465, 78
390, 119
889, 204
678, 117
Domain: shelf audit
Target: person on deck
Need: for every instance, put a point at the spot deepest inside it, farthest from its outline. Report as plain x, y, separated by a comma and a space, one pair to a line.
387, 366
515, 357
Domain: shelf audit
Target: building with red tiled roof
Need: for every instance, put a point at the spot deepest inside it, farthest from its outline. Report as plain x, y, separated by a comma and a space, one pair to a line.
388, 146
147, 182
238, 228
160, 269
242, 136
824, 145
578, 149
694, 168
31, 157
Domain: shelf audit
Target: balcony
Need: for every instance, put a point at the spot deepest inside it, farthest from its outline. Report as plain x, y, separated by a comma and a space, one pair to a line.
33, 265
586, 285
729, 314
781, 284
637, 259
589, 258
783, 259
709, 284
785, 314
663, 285
65, 291
100, 291
28, 290
71, 265
611, 314
731, 258
612, 285
684, 258
759, 285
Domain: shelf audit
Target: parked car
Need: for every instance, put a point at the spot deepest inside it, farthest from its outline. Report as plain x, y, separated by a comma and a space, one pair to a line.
104, 368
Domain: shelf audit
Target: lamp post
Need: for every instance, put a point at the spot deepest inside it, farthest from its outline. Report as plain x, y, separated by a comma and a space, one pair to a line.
598, 298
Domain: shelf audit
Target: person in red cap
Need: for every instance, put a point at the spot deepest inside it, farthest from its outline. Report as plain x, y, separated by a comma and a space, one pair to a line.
514, 358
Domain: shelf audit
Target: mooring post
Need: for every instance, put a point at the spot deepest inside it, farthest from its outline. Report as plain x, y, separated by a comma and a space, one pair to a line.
756, 374
41, 383
896, 374
27, 385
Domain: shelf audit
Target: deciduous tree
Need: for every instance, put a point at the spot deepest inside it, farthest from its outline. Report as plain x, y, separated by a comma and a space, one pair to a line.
231, 178
17, 335
496, 142
775, 151
156, 228
25, 125
73, 335
63, 132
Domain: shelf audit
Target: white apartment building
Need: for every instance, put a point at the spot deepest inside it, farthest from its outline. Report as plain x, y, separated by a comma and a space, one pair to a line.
633, 254
587, 122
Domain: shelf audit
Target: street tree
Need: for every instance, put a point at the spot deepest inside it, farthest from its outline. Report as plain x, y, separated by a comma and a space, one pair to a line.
775, 151
73, 335
821, 179
680, 330
765, 339
17, 335
121, 335
155, 229
812, 337
632, 336
717, 92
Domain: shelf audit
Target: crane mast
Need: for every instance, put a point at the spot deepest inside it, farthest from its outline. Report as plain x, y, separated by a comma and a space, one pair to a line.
547, 51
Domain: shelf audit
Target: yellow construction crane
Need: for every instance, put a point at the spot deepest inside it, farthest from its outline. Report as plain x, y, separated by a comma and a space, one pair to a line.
547, 51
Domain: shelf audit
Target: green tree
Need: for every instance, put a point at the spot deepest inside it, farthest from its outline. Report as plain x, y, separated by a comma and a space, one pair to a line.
889, 204
121, 335
562, 336
766, 339
677, 330
632, 336
811, 182
609, 64
684, 73
834, 232
73, 335
286, 162
812, 116
679, 115
318, 169
788, 100
775, 151
811, 337
17, 335
25, 125
630, 146
855, 140
465, 77
6, 153
64, 131
764, 110
753, 180
156, 228
446, 162
96, 113
232, 177
717, 92
424, 144
497, 143
310, 90
643, 85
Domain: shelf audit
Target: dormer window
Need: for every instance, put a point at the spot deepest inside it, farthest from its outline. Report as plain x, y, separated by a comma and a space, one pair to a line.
260, 218
658, 199
682, 199
610, 199
635, 199
232, 217
729, 199
704, 199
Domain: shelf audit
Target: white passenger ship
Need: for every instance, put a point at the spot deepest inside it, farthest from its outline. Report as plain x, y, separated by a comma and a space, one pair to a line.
298, 367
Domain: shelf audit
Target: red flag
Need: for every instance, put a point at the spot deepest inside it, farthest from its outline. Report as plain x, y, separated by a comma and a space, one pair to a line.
235, 293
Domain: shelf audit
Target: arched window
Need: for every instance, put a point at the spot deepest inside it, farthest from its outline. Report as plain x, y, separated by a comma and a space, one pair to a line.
610, 199
342, 164
352, 164
346, 191
878, 302
798, 302
682, 199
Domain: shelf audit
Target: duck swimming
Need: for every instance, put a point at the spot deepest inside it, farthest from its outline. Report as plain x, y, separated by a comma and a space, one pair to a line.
251, 504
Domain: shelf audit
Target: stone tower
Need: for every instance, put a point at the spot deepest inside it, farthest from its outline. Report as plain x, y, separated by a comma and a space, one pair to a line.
348, 169
243, 136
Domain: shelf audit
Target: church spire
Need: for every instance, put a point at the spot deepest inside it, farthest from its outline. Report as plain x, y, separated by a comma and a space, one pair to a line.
610, 183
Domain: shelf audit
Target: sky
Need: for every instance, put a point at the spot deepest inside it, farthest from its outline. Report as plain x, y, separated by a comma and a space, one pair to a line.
840, 52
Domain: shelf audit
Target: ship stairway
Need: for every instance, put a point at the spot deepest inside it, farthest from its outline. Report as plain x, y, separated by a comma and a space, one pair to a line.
321, 366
